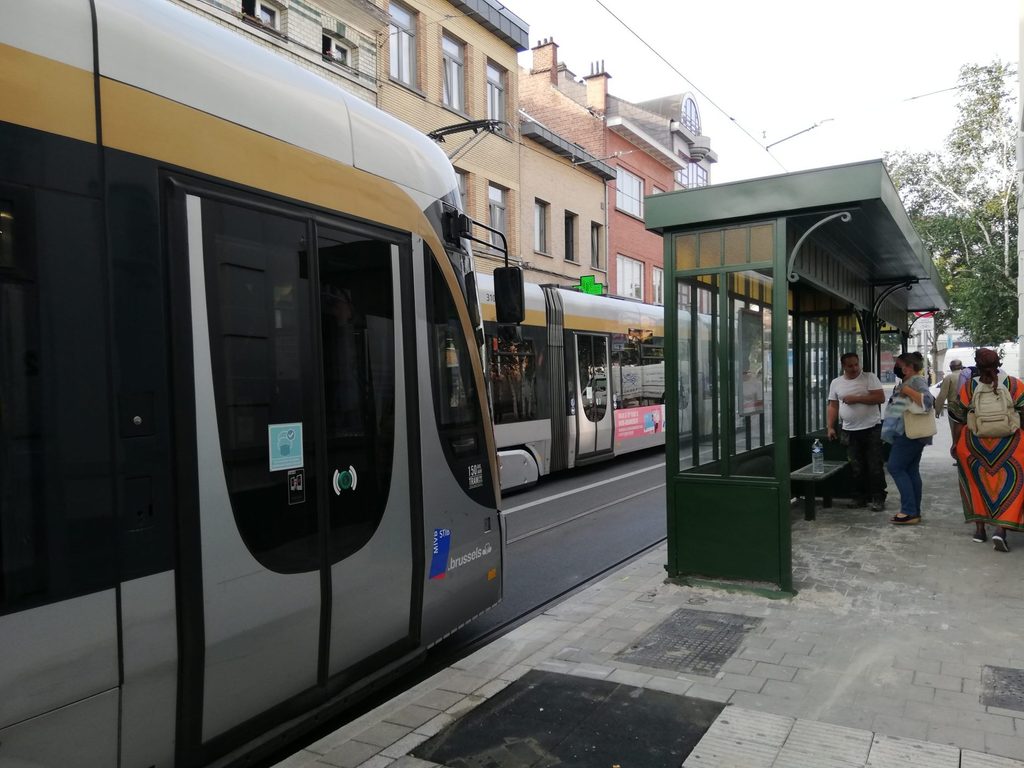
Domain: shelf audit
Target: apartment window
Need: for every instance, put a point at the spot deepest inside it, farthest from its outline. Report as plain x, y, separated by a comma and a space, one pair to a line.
691, 117
631, 277
697, 176
463, 178
595, 245
496, 211
265, 13
453, 55
658, 285
656, 190
570, 236
629, 193
495, 92
333, 50
681, 176
540, 226
402, 42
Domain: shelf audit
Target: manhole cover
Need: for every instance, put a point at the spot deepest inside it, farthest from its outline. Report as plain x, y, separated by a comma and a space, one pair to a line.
699, 642
1002, 687
545, 719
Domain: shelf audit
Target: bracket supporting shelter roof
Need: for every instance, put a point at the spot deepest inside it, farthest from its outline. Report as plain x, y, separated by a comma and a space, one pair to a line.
878, 241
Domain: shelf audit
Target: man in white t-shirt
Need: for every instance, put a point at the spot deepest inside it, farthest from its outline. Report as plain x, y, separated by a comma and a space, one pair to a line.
855, 398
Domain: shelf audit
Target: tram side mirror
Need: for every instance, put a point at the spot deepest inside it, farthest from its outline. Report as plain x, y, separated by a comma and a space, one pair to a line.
509, 295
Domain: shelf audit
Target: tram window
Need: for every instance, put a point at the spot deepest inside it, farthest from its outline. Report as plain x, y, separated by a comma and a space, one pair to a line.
56, 511
22, 529
592, 359
638, 369
260, 349
456, 400
512, 373
357, 325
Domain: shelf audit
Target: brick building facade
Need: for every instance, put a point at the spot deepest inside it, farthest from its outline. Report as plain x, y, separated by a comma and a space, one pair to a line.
654, 146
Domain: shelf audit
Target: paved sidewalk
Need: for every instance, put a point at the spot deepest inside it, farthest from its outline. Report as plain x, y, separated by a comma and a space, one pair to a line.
884, 657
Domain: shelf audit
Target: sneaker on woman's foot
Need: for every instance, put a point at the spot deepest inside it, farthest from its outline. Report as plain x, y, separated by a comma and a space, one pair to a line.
979, 536
999, 543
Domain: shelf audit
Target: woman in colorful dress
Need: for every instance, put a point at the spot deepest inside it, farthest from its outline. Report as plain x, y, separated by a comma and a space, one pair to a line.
904, 462
991, 469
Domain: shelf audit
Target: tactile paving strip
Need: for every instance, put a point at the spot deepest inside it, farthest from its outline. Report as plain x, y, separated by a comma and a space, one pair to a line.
699, 642
1002, 687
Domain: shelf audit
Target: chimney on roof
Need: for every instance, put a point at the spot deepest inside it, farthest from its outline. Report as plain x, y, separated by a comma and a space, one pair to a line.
545, 59
597, 87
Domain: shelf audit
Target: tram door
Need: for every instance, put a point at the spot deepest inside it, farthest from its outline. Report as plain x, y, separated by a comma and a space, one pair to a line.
594, 417
297, 558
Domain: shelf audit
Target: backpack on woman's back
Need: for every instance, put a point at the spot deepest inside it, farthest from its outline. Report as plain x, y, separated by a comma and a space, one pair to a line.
992, 413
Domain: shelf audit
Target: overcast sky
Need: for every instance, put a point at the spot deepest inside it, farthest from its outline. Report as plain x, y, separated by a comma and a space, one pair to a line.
776, 68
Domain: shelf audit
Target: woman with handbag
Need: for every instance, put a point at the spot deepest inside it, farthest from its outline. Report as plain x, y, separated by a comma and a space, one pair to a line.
988, 448
908, 426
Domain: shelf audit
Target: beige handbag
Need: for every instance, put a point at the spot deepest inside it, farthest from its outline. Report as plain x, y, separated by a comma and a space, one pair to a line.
916, 425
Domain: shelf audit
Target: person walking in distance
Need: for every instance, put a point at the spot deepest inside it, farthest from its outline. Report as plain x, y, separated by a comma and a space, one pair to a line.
988, 449
948, 390
855, 399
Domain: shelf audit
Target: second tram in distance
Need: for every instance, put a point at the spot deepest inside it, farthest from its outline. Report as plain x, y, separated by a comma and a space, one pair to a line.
582, 380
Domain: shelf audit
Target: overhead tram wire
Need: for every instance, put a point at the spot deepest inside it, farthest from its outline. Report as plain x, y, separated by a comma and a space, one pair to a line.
671, 66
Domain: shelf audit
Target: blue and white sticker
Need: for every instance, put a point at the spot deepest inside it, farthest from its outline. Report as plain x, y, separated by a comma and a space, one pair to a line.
285, 444
441, 546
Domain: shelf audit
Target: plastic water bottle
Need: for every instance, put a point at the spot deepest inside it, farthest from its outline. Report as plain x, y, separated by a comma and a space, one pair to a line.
817, 457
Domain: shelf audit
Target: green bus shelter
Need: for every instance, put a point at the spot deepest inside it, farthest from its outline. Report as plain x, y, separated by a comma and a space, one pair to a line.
774, 279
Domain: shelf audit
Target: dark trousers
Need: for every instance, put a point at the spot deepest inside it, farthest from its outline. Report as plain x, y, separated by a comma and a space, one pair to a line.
864, 451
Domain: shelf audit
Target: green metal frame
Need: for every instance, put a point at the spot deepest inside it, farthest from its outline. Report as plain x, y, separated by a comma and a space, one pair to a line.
855, 245
759, 506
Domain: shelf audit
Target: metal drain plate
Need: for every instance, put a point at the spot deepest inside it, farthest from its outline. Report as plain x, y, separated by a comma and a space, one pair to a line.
1002, 687
699, 642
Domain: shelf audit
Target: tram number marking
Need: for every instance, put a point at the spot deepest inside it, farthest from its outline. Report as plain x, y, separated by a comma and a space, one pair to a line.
476, 475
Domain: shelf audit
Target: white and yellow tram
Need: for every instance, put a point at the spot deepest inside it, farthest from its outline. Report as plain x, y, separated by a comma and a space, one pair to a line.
581, 380
246, 465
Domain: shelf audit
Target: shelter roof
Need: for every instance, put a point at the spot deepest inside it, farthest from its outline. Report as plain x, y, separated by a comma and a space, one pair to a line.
879, 242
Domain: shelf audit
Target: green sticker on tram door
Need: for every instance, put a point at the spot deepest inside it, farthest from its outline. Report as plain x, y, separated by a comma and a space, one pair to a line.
285, 444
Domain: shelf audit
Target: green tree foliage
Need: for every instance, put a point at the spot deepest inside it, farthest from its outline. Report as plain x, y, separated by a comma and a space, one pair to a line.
963, 202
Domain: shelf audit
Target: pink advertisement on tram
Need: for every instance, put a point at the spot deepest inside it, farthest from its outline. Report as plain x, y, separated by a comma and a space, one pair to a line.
639, 422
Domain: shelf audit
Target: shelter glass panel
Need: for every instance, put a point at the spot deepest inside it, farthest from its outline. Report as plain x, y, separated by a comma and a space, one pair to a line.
711, 249
850, 340
792, 370
697, 370
890, 347
686, 252
762, 242
815, 371
750, 312
736, 246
